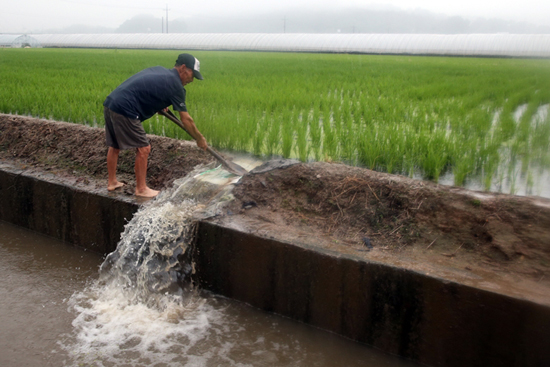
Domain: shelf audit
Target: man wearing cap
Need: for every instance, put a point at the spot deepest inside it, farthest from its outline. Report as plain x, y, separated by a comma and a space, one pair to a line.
137, 99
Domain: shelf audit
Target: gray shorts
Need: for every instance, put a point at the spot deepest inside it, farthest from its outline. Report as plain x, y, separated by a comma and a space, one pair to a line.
122, 132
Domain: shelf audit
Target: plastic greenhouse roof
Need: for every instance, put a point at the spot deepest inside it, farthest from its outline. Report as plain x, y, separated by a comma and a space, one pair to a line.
514, 45
7, 39
10, 39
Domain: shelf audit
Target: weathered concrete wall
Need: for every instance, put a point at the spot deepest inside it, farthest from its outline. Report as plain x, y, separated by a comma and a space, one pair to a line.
423, 318
419, 317
83, 218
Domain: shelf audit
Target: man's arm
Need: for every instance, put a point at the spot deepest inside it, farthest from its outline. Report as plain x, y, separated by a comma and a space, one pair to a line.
189, 124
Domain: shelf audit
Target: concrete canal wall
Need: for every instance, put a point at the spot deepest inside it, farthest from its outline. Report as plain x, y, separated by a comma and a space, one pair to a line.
420, 317
70, 212
406, 313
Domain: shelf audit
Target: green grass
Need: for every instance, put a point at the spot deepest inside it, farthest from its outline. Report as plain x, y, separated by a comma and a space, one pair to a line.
426, 116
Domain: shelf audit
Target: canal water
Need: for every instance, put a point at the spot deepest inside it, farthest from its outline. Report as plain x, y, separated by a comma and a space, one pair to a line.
63, 306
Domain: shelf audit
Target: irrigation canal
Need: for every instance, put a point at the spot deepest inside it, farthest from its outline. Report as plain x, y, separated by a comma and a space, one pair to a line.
63, 306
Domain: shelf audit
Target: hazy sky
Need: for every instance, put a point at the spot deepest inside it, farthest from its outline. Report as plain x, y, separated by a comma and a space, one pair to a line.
33, 15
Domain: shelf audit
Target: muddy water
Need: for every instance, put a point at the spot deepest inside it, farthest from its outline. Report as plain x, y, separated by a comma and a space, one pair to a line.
37, 277
40, 278
60, 306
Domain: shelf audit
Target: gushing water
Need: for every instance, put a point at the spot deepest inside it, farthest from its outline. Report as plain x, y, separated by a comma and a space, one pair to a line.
142, 307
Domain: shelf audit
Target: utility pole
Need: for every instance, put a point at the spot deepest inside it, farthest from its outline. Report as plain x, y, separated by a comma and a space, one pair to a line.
162, 27
284, 24
166, 18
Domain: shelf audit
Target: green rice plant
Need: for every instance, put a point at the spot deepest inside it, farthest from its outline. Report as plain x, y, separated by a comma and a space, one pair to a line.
246, 121
540, 140
259, 135
401, 114
369, 149
330, 142
346, 132
462, 169
315, 132
301, 130
287, 133
273, 135
489, 171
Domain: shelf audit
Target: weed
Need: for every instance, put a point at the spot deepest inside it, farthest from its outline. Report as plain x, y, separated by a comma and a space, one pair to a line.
476, 202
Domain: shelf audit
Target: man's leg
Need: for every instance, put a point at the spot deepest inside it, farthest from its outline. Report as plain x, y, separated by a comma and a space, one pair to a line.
112, 160
141, 173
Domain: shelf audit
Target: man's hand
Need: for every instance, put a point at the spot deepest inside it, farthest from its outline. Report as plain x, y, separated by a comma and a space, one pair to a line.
201, 143
192, 129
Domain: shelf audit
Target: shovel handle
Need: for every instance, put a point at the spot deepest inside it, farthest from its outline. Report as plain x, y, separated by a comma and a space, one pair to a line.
174, 119
230, 166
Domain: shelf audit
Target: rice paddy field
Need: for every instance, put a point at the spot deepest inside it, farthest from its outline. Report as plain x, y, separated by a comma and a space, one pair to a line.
482, 123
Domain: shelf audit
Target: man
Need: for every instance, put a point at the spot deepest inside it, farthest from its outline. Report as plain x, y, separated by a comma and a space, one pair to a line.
136, 100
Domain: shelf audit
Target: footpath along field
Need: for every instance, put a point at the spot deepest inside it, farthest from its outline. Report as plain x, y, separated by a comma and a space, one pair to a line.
467, 120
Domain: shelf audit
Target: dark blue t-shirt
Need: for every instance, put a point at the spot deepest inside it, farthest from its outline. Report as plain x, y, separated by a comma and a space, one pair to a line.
147, 92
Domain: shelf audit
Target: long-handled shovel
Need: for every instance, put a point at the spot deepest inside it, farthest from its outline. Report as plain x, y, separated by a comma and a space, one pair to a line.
228, 165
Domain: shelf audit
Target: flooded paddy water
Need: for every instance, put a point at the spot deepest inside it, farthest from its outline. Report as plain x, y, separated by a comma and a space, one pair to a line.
63, 306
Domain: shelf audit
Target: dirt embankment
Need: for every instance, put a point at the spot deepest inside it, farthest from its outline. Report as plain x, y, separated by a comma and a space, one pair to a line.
420, 225
79, 150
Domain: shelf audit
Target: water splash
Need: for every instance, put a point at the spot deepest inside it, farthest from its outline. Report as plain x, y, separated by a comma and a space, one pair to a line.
142, 308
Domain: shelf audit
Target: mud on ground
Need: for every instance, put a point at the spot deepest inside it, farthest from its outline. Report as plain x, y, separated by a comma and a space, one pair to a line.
498, 241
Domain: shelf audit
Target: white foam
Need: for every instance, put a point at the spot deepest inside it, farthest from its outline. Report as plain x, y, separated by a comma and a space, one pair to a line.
111, 329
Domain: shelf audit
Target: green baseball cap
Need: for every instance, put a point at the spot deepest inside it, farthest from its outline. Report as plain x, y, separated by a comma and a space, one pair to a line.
192, 63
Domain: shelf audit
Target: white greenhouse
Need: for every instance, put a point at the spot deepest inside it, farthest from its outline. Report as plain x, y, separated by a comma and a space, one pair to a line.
18, 41
501, 45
